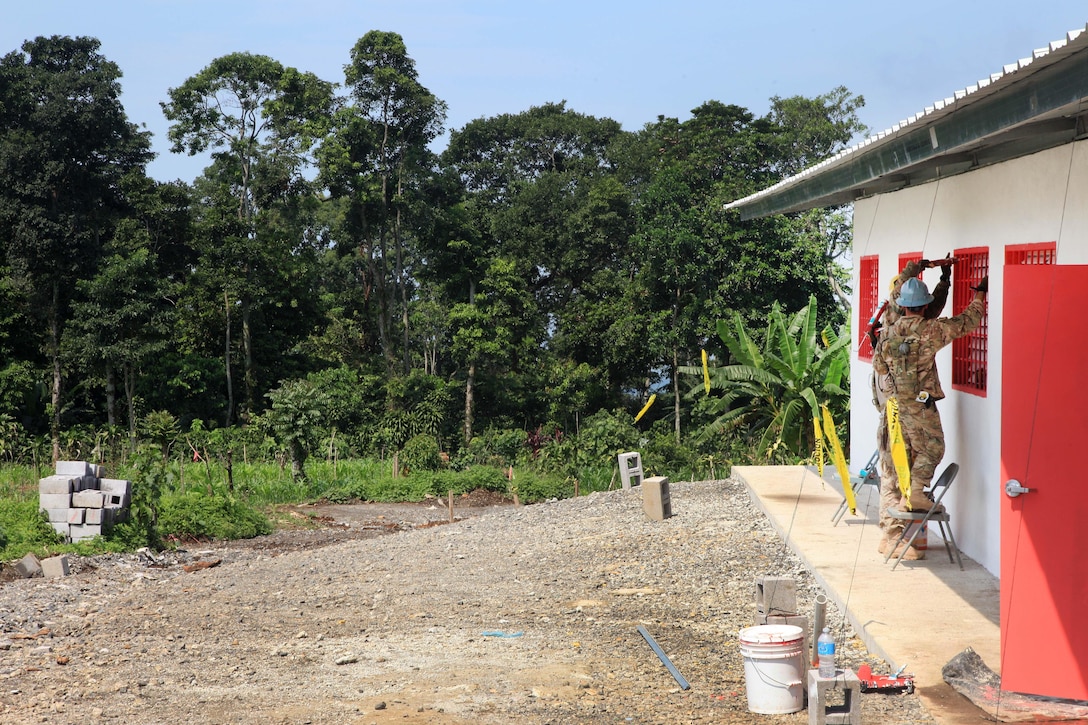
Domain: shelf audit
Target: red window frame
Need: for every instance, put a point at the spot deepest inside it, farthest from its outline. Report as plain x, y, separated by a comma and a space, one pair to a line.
908, 257
868, 301
1035, 253
969, 353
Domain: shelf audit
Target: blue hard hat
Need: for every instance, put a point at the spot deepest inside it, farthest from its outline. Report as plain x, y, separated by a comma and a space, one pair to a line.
914, 293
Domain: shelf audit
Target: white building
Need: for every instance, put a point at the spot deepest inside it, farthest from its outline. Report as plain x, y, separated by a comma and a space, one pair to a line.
997, 175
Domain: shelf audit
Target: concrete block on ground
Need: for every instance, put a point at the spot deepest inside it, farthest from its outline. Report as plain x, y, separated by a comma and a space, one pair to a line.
79, 532
55, 501
76, 516
119, 491
58, 515
73, 468
89, 499
630, 469
776, 596
656, 501
834, 700
55, 567
61, 527
58, 484
28, 566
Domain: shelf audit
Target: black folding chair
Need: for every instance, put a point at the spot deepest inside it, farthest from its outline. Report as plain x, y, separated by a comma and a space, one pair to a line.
938, 513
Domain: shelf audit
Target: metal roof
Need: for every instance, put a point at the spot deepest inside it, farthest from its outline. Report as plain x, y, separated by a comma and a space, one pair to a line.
1036, 103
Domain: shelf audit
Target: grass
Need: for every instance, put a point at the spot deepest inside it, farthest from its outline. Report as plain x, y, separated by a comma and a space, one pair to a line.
197, 502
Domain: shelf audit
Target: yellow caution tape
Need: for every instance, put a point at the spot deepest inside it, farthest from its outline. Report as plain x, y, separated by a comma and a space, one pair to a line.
706, 374
819, 437
898, 448
840, 460
646, 407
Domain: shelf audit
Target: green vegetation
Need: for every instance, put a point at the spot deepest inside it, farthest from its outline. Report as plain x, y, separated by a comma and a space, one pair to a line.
332, 294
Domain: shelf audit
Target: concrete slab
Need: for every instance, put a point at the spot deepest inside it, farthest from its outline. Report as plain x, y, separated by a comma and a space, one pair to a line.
961, 608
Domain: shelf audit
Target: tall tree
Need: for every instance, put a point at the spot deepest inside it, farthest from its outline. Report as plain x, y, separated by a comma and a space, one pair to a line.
65, 144
376, 158
260, 119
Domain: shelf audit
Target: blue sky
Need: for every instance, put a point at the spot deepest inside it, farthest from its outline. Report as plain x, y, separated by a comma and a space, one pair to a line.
631, 61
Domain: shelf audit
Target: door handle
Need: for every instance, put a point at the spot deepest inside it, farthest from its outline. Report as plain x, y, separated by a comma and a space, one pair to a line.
1014, 489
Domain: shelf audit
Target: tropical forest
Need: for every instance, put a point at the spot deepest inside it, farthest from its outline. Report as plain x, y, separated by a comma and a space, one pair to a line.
355, 302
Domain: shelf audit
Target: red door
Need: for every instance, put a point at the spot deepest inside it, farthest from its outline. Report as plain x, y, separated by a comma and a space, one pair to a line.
1044, 438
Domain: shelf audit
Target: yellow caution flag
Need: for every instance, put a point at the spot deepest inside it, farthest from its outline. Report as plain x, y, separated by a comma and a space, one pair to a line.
840, 460
898, 448
706, 374
646, 407
819, 437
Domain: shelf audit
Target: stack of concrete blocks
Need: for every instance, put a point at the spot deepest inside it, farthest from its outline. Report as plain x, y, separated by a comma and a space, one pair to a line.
80, 502
776, 603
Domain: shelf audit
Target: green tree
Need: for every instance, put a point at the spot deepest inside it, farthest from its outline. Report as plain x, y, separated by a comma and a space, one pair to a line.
260, 119
294, 421
772, 391
375, 160
65, 145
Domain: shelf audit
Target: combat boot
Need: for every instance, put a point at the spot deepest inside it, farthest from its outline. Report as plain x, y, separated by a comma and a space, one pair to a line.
911, 553
888, 538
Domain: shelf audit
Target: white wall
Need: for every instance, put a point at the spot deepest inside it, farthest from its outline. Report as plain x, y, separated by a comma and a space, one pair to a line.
1038, 198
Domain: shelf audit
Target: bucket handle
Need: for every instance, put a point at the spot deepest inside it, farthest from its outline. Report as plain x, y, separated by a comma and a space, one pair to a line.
772, 681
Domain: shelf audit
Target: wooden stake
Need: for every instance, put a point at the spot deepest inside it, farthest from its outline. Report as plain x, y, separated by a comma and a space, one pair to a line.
449, 494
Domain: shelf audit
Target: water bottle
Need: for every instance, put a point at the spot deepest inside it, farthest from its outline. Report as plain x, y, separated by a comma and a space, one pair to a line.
825, 649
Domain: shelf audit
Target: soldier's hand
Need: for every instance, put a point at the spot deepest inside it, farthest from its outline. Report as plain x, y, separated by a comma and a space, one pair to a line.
946, 272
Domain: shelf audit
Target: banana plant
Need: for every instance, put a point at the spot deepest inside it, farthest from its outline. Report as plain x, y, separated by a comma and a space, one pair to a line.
774, 390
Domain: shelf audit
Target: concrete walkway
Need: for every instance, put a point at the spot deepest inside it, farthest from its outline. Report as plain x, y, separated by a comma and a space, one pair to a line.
961, 608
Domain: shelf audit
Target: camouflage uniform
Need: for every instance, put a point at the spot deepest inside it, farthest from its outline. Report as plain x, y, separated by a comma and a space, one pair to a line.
921, 423
882, 388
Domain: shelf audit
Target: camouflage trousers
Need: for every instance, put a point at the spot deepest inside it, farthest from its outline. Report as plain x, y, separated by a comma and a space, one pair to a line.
924, 438
889, 479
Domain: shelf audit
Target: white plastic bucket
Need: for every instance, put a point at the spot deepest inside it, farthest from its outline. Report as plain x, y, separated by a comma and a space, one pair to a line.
773, 668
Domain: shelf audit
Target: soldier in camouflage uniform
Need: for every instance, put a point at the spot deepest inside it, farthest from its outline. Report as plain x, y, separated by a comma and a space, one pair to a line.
882, 387
906, 353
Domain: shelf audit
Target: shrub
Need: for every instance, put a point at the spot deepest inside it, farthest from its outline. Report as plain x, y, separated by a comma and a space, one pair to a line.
420, 453
197, 515
534, 487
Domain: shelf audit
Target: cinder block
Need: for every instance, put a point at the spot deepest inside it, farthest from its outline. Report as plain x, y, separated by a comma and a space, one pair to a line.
76, 516
58, 515
55, 567
49, 501
58, 484
80, 532
656, 501
89, 499
90, 483
775, 596
119, 490
98, 471
28, 566
834, 700
61, 527
73, 468
630, 469
115, 514
94, 516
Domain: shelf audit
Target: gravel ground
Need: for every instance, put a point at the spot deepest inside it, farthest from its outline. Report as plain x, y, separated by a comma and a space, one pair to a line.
391, 614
